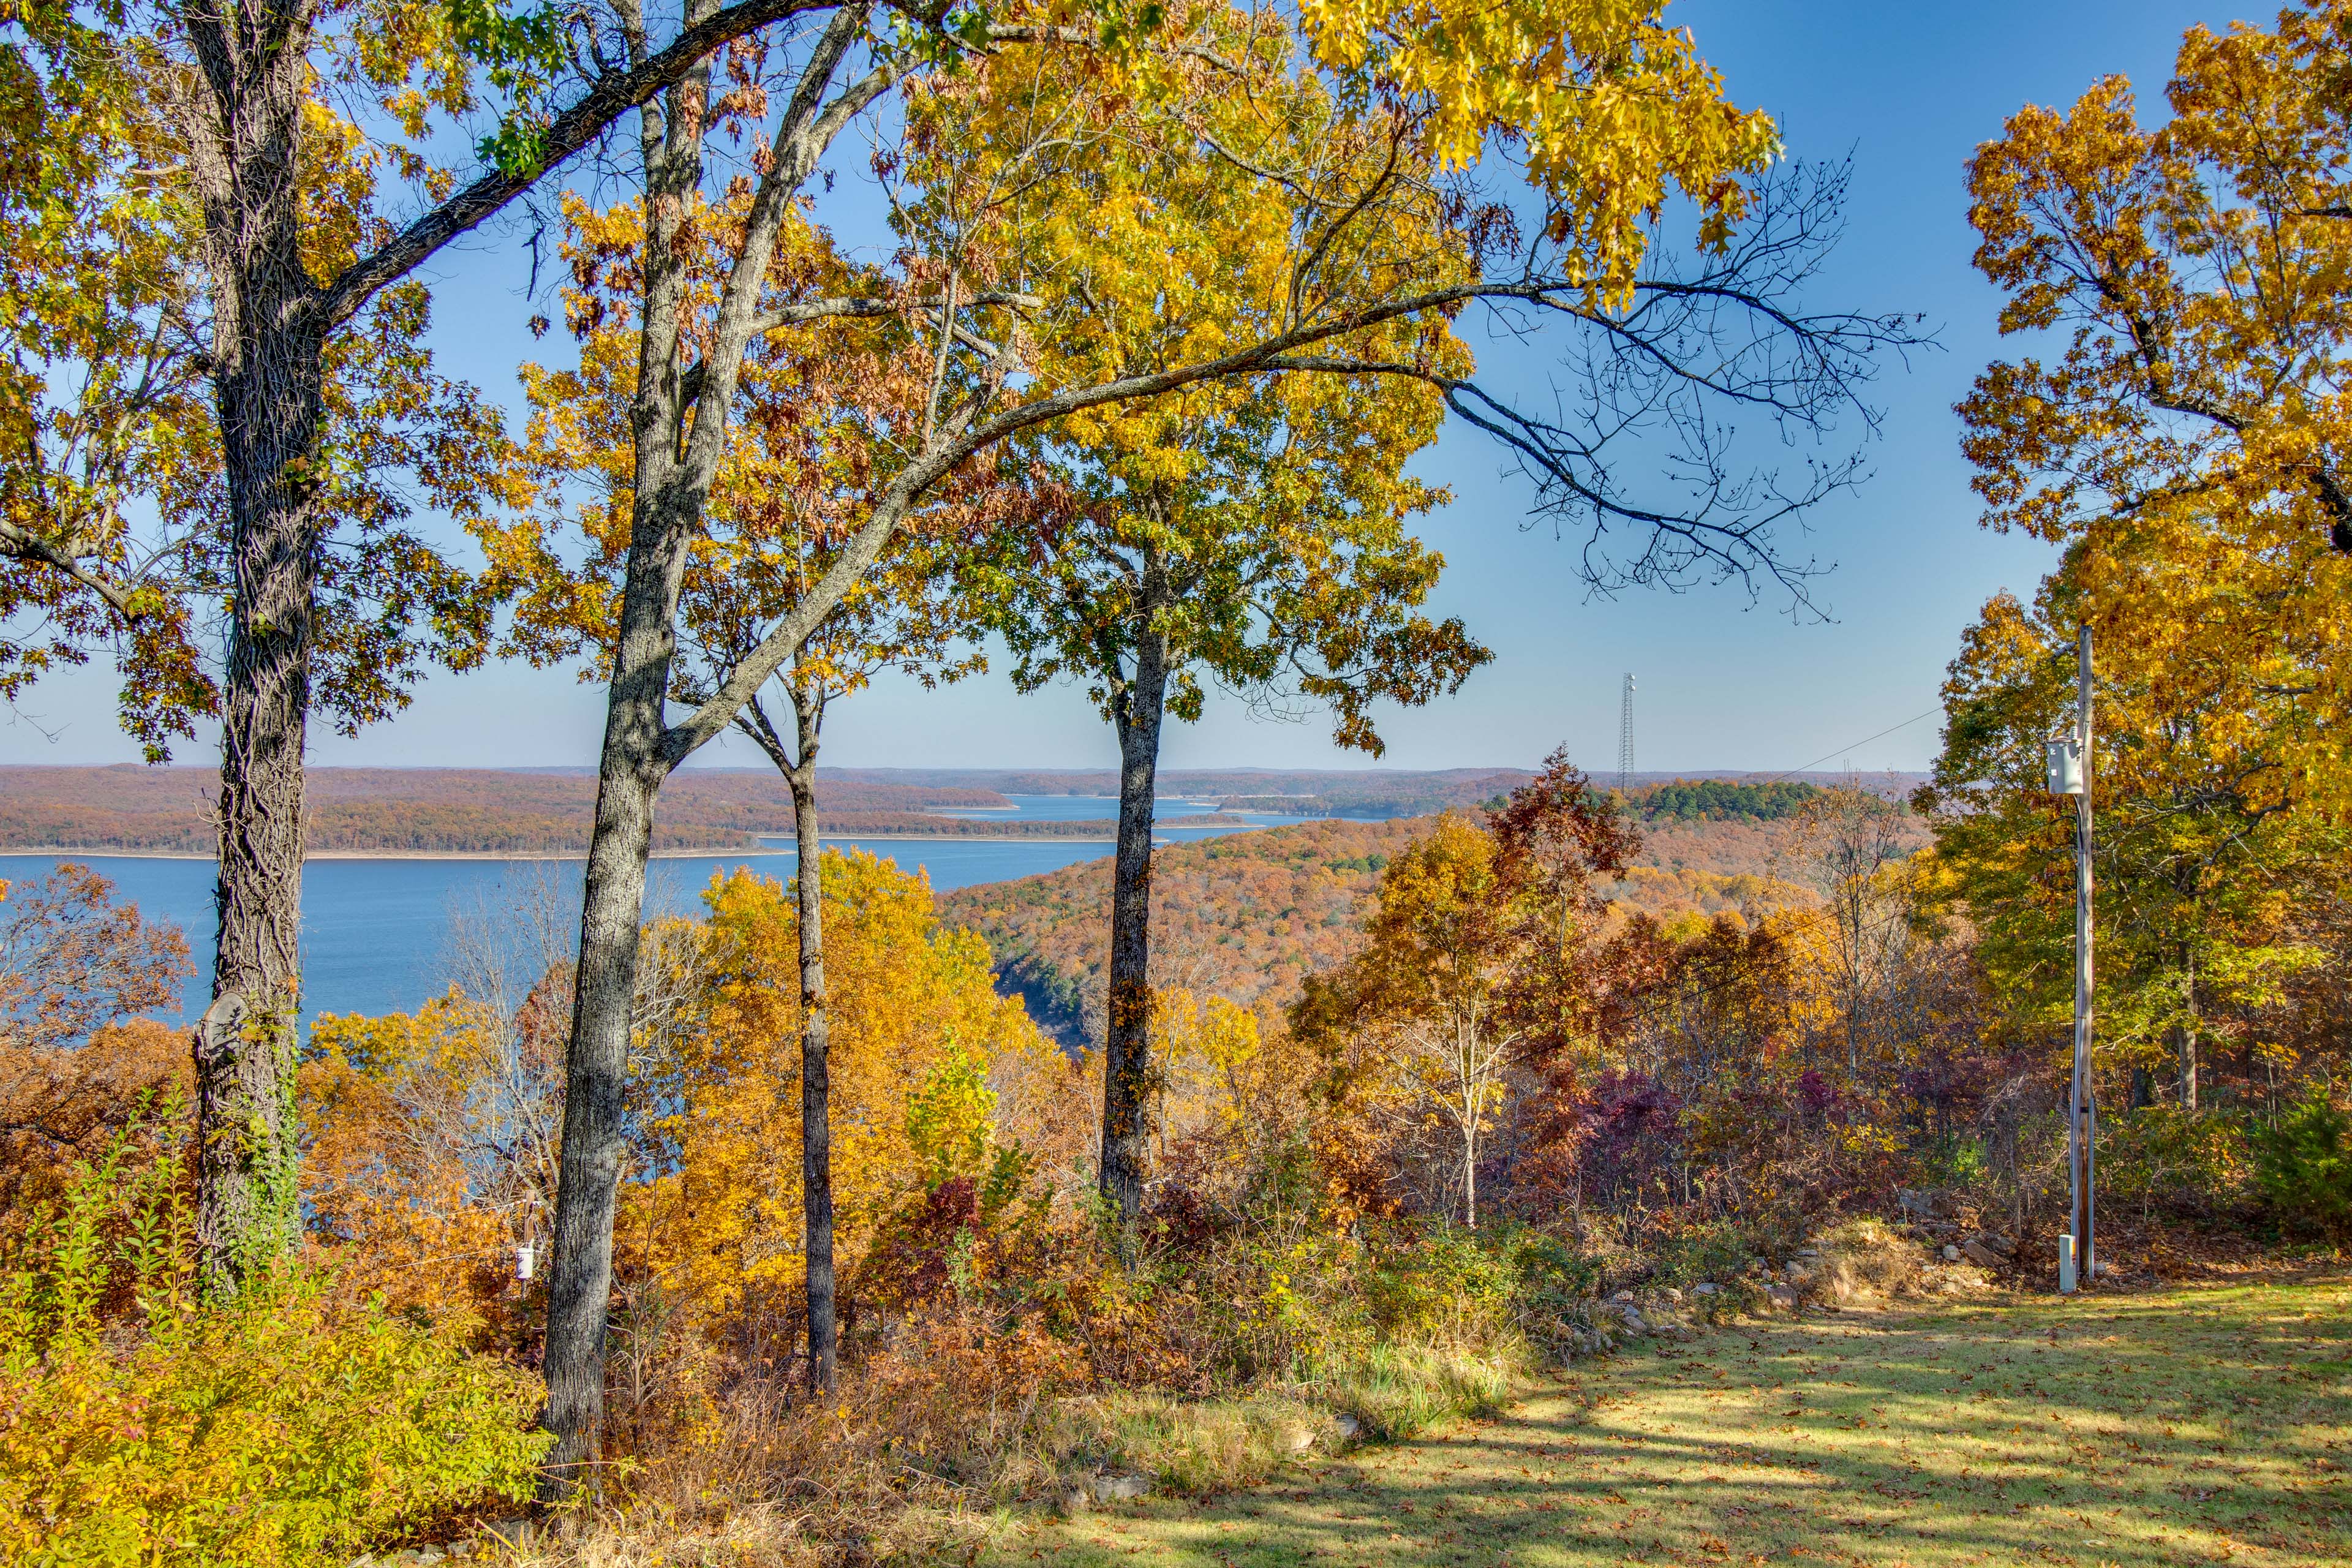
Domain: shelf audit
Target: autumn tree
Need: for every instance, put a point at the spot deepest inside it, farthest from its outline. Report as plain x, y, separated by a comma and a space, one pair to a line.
96, 286
2189, 282
1560, 841
913, 1005
2203, 871
80, 1056
971, 285
117, 528
72, 959
1252, 537
1482, 961
284, 138
2188, 448
1424, 994
1849, 840
810, 425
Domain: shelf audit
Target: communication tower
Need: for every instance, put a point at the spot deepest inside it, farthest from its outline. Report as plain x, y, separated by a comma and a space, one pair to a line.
1625, 739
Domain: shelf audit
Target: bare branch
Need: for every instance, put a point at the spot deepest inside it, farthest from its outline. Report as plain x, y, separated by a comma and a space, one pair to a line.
607, 98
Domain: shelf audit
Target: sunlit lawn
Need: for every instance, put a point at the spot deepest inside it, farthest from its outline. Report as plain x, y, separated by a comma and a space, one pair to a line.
2192, 1425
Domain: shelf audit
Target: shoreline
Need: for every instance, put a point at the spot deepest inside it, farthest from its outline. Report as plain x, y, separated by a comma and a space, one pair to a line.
85, 851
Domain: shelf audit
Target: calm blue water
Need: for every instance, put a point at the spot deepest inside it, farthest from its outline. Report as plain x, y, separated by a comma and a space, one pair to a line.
1089, 808
376, 933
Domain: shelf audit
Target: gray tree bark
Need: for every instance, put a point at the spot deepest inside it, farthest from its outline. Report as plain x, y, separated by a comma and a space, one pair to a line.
797, 762
680, 432
630, 772
816, 1101
1138, 707
2185, 1034
244, 120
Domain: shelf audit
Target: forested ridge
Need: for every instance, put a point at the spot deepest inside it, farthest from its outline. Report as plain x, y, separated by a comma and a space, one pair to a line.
469, 810
1242, 917
483, 811
1714, 800
1249, 916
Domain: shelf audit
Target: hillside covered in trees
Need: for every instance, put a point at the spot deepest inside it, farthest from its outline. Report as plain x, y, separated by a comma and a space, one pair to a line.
1310, 792
1248, 917
479, 810
1244, 917
1719, 800
1388, 792
548, 811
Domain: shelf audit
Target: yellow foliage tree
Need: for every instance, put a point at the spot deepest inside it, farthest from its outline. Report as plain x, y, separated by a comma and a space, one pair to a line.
2190, 432
1250, 533
2187, 440
1615, 114
720, 1225
424, 1169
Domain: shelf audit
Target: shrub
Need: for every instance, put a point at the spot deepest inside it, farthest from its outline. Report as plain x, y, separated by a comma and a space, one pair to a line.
2160, 1158
1444, 1286
1684, 1249
138, 1424
2304, 1163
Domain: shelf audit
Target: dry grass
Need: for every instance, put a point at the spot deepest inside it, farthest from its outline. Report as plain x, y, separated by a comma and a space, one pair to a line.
1865, 1259
909, 1466
2123, 1431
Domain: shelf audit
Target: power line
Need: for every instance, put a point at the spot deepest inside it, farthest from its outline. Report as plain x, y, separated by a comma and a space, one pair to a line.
1850, 745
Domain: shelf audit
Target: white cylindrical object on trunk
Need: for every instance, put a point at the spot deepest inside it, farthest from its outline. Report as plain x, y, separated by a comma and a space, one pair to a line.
2063, 761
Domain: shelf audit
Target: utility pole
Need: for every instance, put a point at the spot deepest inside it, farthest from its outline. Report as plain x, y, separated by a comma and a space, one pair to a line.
2070, 774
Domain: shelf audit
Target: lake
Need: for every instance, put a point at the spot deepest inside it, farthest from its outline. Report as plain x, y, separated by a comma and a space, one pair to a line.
377, 933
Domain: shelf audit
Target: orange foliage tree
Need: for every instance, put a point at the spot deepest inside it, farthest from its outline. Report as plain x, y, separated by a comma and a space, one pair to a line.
76, 1059
919, 1037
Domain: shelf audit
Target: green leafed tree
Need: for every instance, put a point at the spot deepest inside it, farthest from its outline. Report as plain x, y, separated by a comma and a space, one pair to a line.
1250, 539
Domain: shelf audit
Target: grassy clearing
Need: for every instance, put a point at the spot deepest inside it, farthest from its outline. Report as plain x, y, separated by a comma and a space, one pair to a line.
2187, 1426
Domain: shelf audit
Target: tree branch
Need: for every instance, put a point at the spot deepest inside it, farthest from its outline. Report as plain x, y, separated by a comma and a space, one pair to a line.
607, 98
20, 543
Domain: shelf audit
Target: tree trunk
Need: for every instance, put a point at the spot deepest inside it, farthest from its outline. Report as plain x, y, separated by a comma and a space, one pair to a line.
243, 126
630, 772
580, 1276
1470, 1176
248, 1164
1127, 1065
629, 778
1472, 1083
816, 1124
2184, 1037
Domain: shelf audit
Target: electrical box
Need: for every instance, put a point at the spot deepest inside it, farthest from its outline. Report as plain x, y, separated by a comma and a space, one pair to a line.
526, 1255
2065, 763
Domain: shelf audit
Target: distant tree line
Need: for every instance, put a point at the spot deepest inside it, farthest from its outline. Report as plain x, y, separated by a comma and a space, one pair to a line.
411, 827
1720, 799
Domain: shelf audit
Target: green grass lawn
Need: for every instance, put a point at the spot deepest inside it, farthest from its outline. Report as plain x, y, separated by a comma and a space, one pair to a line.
2186, 1426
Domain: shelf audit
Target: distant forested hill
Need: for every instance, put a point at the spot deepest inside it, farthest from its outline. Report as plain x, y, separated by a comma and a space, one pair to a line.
1246, 917
1250, 915
458, 810
1363, 792
1385, 792
1722, 800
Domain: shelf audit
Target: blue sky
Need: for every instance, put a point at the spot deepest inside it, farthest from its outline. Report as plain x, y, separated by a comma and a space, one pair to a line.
1909, 89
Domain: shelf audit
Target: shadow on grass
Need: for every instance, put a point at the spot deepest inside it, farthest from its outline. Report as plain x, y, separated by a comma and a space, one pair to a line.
2194, 1426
